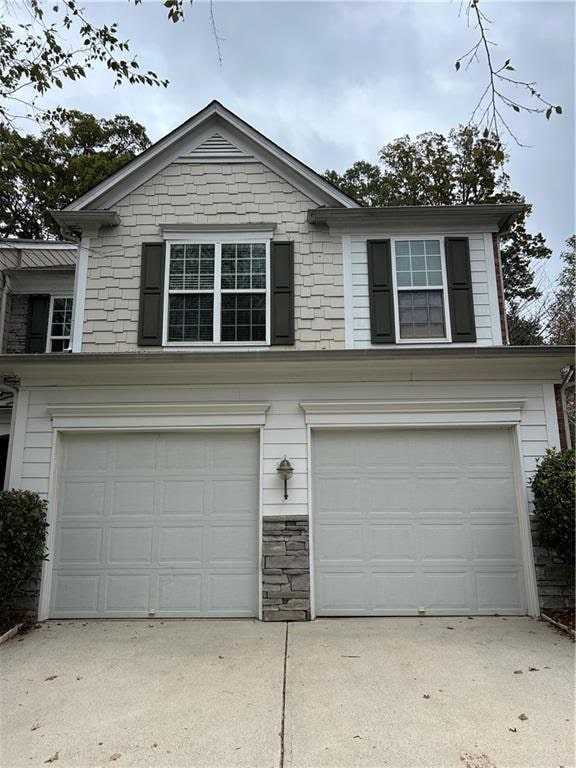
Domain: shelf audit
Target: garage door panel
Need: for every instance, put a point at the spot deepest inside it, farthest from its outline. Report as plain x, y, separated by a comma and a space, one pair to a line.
495, 542
339, 495
129, 545
180, 545
393, 591
232, 544
89, 455
235, 494
342, 544
153, 529
443, 542
342, 591
129, 452
177, 453
386, 495
132, 497
446, 591
181, 497
179, 595
416, 531
127, 592
240, 589
498, 590
79, 545
76, 593
82, 498
390, 541
431, 495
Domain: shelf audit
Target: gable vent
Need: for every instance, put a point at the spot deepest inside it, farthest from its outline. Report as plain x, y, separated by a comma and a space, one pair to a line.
213, 149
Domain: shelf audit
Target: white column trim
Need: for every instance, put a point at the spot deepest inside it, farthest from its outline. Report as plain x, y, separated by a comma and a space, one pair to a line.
552, 428
17, 436
80, 280
490, 258
349, 340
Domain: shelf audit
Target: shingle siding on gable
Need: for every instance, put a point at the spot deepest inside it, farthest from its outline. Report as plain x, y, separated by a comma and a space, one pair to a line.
212, 194
480, 263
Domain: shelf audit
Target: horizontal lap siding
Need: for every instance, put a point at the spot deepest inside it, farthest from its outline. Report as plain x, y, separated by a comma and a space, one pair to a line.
233, 193
479, 265
285, 430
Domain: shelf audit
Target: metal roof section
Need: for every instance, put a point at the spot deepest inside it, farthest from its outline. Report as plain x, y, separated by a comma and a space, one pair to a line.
36, 254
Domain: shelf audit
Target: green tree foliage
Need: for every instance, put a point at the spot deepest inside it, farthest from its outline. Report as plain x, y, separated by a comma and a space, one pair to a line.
22, 541
462, 168
553, 490
58, 166
562, 311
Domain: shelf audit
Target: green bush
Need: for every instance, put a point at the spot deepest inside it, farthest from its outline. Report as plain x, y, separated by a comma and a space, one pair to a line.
553, 489
22, 541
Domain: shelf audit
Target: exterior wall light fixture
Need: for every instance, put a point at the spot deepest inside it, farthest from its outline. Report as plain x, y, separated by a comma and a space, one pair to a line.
285, 470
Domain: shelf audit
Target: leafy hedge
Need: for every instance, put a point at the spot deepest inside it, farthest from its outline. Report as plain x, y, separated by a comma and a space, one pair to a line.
553, 489
22, 541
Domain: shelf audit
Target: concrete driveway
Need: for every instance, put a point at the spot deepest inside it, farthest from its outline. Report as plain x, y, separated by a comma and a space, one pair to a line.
400, 693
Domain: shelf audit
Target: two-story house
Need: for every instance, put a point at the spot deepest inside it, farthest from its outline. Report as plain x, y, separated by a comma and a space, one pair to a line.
280, 404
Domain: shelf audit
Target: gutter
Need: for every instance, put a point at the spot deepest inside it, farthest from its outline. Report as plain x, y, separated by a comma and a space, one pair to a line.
563, 354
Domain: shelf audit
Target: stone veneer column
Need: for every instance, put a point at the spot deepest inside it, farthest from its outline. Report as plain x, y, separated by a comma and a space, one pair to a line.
286, 569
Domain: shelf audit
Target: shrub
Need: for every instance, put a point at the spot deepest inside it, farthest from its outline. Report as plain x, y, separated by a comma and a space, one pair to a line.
22, 541
553, 489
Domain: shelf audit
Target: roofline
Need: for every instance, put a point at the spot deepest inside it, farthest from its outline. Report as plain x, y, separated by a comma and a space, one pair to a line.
52, 268
502, 212
92, 216
213, 108
564, 354
32, 245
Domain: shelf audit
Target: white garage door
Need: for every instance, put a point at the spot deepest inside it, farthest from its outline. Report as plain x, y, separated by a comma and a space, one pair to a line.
410, 520
157, 524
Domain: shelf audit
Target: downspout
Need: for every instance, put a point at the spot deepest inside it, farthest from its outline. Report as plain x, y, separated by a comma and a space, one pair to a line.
3, 302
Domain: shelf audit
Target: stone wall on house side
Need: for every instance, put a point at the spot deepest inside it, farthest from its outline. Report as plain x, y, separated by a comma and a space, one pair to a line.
286, 569
214, 195
555, 579
16, 324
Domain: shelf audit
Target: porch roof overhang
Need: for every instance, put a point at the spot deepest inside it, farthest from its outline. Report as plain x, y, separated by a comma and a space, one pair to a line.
495, 217
543, 363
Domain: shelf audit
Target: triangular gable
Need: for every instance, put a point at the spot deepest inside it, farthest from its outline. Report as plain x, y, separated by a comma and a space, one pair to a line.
212, 135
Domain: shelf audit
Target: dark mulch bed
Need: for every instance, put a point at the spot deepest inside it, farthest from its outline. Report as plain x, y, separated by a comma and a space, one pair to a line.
564, 616
9, 619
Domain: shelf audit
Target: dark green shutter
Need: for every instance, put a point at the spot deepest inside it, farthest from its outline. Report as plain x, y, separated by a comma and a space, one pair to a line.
460, 289
282, 290
151, 295
37, 330
381, 292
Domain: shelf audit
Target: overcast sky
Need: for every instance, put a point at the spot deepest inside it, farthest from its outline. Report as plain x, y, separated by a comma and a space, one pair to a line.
333, 82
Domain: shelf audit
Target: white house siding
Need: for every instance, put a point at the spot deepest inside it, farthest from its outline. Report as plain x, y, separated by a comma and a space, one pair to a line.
211, 194
483, 284
285, 431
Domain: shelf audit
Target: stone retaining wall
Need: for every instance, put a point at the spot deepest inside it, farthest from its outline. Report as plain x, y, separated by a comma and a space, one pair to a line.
286, 569
555, 579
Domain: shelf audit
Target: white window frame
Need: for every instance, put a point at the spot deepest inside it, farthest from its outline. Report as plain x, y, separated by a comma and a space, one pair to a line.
447, 339
49, 337
216, 239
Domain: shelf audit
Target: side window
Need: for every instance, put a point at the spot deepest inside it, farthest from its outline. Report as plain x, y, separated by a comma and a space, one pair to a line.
420, 289
59, 324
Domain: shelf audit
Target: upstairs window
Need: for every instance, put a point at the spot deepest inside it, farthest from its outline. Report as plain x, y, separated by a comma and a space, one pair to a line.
59, 324
421, 290
218, 292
